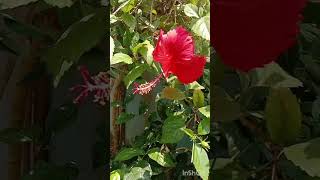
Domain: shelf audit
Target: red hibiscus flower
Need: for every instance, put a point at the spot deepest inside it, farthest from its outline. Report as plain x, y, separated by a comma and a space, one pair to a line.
249, 34
175, 52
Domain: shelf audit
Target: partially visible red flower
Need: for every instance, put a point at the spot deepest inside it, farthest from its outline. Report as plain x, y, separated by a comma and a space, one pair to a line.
175, 52
249, 34
99, 85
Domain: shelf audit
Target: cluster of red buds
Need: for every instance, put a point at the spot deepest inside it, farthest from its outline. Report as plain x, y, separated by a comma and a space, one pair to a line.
98, 85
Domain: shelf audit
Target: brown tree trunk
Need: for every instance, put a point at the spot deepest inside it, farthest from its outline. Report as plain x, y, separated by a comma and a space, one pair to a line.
117, 132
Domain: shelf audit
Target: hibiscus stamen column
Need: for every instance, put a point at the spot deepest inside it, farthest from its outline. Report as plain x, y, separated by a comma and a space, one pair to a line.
146, 87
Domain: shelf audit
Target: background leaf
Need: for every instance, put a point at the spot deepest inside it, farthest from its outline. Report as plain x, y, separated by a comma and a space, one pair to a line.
60, 3
171, 132
283, 112
72, 44
306, 156
172, 94
7, 4
136, 72
224, 109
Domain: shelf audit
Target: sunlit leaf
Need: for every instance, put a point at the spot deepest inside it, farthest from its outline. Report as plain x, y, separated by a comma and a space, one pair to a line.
111, 48
198, 98
202, 27
191, 10
115, 175
194, 85
121, 58
205, 111
204, 127
200, 161
163, 159
128, 153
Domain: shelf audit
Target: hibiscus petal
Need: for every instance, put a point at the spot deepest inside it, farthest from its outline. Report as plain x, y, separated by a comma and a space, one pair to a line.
177, 44
251, 33
190, 70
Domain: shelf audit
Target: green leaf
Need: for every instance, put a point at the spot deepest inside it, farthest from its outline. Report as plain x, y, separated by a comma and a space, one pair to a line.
171, 132
198, 98
73, 44
113, 18
129, 20
145, 49
124, 117
115, 175
121, 58
205, 111
191, 10
172, 94
65, 66
163, 159
136, 72
204, 127
224, 109
194, 85
282, 112
15, 135
60, 3
200, 161
306, 156
128, 153
8, 4
272, 75
202, 27
24, 29
111, 48
128, 5
189, 132
141, 171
